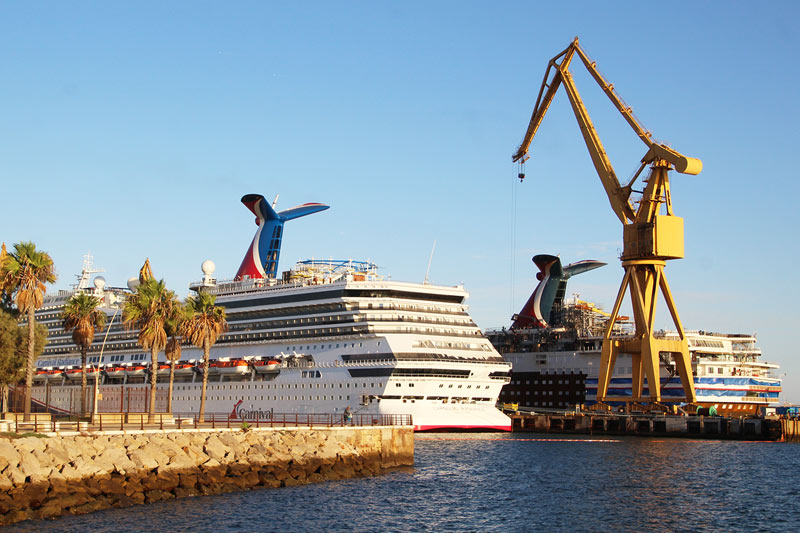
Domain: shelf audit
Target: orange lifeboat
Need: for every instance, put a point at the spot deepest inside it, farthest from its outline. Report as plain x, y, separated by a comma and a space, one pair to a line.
235, 366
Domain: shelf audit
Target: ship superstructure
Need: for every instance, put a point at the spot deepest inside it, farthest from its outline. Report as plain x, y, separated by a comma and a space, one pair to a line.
324, 336
556, 364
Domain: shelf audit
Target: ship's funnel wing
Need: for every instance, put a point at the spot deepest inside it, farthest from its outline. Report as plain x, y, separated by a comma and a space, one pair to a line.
302, 210
549, 293
573, 269
261, 260
260, 207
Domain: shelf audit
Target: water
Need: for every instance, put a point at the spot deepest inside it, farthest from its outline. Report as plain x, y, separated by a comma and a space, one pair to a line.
508, 482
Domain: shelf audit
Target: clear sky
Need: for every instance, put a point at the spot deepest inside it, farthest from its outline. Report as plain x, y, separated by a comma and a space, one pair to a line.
131, 130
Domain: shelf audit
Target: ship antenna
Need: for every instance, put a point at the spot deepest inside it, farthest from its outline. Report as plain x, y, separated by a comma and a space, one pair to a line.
430, 259
86, 272
275, 201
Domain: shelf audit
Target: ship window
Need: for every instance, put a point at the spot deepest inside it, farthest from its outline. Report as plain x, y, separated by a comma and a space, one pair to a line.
719, 370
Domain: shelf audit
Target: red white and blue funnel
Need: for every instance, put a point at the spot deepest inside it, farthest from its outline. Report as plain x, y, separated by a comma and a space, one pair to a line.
549, 293
262, 257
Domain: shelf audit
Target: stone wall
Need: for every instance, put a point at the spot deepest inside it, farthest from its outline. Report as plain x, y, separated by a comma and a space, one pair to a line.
52, 476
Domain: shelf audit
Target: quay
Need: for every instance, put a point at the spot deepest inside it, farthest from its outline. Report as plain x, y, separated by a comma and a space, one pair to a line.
656, 425
78, 469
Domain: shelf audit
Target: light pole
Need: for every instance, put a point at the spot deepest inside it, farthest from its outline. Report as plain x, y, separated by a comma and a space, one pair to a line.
99, 364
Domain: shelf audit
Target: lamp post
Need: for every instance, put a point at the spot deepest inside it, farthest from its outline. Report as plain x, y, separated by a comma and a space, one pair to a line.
99, 364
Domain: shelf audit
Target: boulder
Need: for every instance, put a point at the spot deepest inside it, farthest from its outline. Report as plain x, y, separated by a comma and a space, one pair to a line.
215, 449
114, 484
143, 458
9, 456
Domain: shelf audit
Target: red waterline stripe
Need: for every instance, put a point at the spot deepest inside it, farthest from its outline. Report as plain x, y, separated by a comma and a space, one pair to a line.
523, 440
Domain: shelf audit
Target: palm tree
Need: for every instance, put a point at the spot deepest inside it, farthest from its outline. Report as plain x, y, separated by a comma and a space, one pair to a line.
83, 317
173, 349
23, 274
205, 322
149, 310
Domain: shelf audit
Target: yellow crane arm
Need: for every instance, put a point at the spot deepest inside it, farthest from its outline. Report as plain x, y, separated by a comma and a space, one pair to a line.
618, 196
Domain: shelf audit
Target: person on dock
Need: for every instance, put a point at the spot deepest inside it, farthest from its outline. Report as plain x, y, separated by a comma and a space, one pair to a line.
348, 415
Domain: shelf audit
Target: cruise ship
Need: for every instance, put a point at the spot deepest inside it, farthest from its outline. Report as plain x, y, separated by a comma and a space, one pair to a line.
554, 346
318, 338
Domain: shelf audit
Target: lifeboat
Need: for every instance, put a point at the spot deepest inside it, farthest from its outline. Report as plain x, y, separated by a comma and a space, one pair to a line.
73, 373
163, 369
263, 367
183, 369
135, 371
115, 372
235, 366
212, 368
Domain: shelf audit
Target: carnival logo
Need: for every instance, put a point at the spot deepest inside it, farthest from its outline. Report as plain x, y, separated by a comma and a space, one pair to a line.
240, 413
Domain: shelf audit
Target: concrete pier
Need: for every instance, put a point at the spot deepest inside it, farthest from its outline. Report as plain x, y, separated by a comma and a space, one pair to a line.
655, 425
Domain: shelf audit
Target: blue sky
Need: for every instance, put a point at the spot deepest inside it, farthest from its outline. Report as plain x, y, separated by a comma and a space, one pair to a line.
132, 130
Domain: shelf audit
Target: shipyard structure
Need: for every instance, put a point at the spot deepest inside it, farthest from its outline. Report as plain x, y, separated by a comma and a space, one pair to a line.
554, 345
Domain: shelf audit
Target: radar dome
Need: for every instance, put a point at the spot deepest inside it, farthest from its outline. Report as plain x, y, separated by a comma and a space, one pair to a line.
99, 283
208, 267
133, 283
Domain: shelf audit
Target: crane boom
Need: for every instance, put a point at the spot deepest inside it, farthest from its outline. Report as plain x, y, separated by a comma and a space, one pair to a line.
619, 196
649, 237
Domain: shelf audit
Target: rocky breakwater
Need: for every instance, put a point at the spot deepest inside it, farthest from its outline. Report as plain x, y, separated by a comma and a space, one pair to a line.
56, 475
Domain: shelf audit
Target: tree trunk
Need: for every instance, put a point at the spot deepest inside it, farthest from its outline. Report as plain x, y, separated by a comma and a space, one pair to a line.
30, 365
83, 381
4, 387
151, 418
206, 353
171, 381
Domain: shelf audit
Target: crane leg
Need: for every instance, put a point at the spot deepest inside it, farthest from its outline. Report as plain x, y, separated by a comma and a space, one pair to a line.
644, 278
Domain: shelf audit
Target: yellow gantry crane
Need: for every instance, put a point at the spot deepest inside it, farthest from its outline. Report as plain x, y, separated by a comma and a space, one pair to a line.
650, 237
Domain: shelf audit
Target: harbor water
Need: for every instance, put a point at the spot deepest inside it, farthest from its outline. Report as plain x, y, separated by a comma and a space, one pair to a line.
509, 482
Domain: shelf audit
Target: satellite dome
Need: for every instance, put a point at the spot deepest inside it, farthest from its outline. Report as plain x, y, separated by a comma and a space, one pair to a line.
99, 283
133, 283
208, 267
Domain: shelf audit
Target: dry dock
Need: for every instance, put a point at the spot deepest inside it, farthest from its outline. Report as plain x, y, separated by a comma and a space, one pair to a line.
658, 425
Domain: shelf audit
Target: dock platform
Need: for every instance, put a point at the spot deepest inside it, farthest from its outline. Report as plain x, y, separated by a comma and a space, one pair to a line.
656, 425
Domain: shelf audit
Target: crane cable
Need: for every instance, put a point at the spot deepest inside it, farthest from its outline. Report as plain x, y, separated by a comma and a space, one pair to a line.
513, 245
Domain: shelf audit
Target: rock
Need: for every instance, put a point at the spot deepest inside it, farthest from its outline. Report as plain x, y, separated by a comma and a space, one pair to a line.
9, 456
215, 449
114, 484
213, 471
187, 481
51, 509
57, 451
184, 492
167, 478
85, 468
5, 483
28, 444
196, 454
143, 459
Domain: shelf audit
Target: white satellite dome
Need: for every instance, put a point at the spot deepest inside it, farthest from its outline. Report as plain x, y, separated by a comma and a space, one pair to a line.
133, 283
208, 267
99, 283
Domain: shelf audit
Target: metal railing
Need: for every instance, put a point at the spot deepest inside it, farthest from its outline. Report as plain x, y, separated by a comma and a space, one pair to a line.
44, 422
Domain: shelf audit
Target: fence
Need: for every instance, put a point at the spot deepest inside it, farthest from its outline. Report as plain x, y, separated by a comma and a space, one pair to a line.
43, 422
